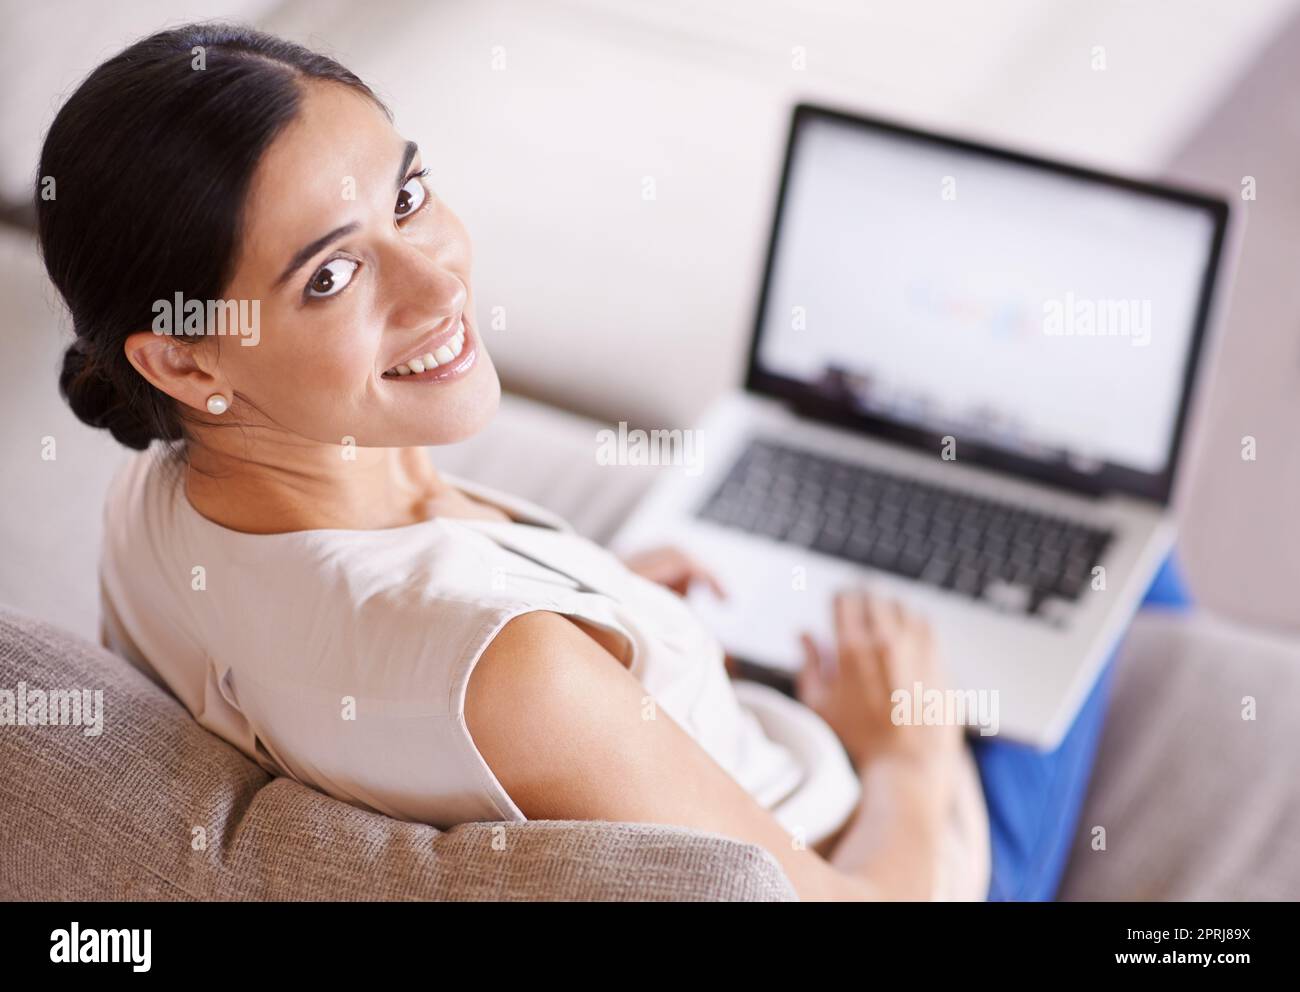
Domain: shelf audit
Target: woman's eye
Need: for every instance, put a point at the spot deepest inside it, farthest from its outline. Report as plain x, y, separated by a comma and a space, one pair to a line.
410, 197
331, 278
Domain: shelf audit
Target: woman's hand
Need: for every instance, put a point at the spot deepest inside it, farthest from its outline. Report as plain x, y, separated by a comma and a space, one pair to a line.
881, 647
673, 568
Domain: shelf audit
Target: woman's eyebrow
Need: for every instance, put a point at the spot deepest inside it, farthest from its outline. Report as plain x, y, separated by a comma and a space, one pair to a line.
408, 156
307, 251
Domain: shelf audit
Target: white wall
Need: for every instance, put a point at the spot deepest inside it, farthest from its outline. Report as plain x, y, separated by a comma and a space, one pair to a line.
635, 309
48, 46
638, 310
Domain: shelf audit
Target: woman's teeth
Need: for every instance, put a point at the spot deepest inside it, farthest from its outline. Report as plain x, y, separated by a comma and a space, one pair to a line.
432, 359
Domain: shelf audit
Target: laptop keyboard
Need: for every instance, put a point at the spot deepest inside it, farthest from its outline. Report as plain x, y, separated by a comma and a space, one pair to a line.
1012, 557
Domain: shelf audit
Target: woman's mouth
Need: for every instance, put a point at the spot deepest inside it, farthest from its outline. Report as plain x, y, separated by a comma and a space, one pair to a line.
450, 359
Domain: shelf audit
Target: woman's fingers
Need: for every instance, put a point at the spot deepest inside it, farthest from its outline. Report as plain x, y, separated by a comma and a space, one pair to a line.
674, 568
885, 644
883, 615
934, 674
810, 682
854, 636
687, 571
888, 624
902, 616
713, 582
883, 647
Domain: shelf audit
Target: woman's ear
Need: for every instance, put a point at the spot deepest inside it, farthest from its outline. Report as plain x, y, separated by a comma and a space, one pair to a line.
174, 367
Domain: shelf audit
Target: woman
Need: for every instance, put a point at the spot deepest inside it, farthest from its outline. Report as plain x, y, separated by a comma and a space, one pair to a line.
292, 565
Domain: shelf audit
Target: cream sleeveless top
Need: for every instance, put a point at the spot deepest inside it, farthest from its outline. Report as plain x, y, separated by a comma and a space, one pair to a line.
340, 658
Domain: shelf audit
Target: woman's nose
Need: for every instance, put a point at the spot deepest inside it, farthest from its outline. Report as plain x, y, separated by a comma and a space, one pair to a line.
425, 292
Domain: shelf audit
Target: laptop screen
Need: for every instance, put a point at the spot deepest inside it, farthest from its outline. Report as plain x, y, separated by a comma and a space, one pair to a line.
1045, 318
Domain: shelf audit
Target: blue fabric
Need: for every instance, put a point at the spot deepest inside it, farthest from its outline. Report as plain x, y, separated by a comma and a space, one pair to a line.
1034, 797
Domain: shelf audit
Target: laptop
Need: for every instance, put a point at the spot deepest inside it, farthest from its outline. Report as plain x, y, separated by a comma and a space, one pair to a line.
967, 387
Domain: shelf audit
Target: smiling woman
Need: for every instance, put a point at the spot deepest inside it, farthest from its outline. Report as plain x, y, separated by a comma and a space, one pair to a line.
275, 176
176, 210
293, 567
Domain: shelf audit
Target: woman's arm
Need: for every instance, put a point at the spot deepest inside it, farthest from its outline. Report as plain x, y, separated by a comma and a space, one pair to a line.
571, 734
897, 829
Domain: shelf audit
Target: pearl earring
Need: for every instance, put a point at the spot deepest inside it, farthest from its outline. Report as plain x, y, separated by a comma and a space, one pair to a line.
217, 404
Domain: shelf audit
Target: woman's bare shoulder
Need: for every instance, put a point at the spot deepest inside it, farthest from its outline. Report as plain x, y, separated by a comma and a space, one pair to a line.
571, 734
541, 657
542, 690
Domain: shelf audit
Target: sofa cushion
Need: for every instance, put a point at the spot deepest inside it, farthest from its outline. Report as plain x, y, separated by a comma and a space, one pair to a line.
1197, 800
155, 807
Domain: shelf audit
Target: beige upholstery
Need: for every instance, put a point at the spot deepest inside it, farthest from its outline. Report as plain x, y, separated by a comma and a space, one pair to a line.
157, 808
1197, 801
1193, 800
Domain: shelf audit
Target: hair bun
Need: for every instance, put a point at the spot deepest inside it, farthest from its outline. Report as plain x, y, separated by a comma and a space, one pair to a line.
113, 250
96, 401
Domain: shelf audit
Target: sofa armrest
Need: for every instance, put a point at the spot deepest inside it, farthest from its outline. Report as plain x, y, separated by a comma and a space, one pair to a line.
295, 844
155, 807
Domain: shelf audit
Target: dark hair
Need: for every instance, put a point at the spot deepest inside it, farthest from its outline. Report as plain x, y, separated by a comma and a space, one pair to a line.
151, 159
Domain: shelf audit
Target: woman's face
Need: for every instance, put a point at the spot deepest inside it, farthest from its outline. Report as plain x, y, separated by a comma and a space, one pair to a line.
359, 268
